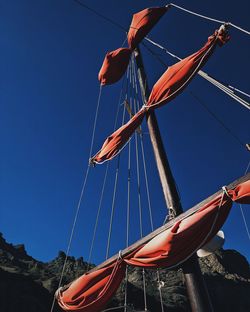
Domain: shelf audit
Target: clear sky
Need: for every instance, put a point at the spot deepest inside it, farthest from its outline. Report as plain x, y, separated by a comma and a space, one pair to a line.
51, 52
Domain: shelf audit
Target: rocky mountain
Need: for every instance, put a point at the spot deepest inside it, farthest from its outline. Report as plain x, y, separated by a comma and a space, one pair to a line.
27, 285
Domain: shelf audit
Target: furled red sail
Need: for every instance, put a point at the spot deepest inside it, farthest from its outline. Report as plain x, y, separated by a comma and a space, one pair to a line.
114, 66
116, 62
91, 292
171, 83
142, 23
117, 140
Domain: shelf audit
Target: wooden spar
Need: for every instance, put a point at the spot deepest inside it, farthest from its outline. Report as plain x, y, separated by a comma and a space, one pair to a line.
168, 225
196, 288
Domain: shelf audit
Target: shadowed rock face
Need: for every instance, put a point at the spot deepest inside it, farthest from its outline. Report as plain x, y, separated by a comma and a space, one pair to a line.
27, 285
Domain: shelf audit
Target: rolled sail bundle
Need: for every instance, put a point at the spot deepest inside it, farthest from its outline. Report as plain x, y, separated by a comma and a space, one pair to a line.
92, 291
142, 23
170, 84
116, 62
114, 66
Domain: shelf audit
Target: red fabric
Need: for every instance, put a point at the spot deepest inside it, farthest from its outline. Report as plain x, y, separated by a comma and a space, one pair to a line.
241, 193
171, 83
91, 292
168, 248
116, 141
116, 62
177, 77
142, 23
114, 66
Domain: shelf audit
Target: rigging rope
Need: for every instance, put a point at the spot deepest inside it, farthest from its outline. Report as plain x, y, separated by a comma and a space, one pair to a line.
111, 21
117, 174
146, 176
98, 214
196, 14
133, 100
198, 100
100, 15
80, 198
235, 89
114, 196
142, 147
209, 18
241, 208
104, 182
128, 222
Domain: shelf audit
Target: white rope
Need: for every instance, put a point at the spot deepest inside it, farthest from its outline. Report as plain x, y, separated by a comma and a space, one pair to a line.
80, 199
224, 89
104, 182
239, 28
196, 14
209, 78
139, 190
159, 288
241, 208
116, 177
142, 150
242, 92
126, 290
147, 187
113, 200
98, 214
209, 18
112, 309
128, 225
247, 168
245, 222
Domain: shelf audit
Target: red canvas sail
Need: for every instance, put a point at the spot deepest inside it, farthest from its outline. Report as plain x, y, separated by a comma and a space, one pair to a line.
91, 292
116, 62
114, 142
114, 66
142, 23
171, 83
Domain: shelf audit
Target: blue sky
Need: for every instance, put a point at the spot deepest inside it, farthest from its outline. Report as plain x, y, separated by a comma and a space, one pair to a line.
51, 52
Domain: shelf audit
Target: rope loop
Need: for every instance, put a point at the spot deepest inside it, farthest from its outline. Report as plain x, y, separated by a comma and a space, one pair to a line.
120, 257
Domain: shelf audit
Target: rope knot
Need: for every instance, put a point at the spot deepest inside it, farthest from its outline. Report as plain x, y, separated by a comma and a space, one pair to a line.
225, 190
120, 255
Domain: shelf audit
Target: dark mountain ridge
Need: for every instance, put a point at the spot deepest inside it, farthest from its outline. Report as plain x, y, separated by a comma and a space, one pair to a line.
27, 284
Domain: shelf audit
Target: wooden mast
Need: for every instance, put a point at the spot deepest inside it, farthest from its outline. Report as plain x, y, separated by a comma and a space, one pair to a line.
196, 288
